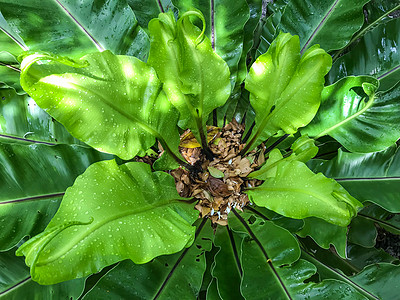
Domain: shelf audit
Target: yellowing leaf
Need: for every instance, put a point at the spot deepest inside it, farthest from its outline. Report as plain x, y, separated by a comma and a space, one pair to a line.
189, 141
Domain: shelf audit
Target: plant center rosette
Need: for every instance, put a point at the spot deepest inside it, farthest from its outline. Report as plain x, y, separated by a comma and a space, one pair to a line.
218, 184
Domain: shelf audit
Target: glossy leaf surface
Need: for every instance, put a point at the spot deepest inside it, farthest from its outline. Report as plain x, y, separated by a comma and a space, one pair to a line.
9, 71
104, 100
196, 80
266, 248
361, 257
313, 21
74, 28
325, 234
147, 10
373, 177
169, 276
381, 280
279, 274
227, 269
296, 192
357, 117
23, 121
111, 213
362, 232
249, 33
16, 283
9, 65
376, 54
285, 88
225, 21
33, 180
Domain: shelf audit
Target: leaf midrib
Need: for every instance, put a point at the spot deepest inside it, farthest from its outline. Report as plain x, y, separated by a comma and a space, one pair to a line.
77, 23
370, 104
6, 136
269, 261
318, 28
150, 129
267, 118
391, 178
346, 279
33, 198
18, 284
102, 223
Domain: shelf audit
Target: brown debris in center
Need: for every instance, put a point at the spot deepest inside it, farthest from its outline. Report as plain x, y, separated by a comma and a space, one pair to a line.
220, 193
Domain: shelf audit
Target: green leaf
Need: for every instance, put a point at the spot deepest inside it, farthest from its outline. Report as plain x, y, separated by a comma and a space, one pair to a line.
15, 282
378, 12
326, 270
214, 172
9, 72
373, 177
376, 54
104, 100
285, 88
269, 31
22, 121
11, 45
362, 232
325, 234
328, 289
330, 24
225, 21
147, 10
386, 220
381, 280
296, 192
361, 257
166, 277
249, 33
195, 78
74, 28
33, 180
266, 248
360, 119
227, 268
271, 266
303, 149
292, 225
111, 213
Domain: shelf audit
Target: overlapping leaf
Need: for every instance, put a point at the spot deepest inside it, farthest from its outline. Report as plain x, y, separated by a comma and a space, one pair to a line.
111, 213
296, 192
227, 269
376, 54
360, 119
376, 281
225, 21
195, 78
313, 21
381, 280
325, 234
285, 88
9, 72
303, 149
23, 121
105, 100
373, 177
274, 253
33, 180
170, 276
74, 28
147, 10
16, 283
